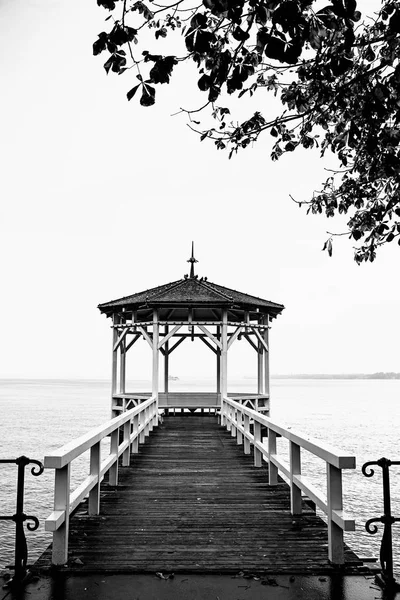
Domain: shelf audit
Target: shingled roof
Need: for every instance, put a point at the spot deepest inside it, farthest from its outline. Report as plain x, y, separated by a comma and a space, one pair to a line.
195, 292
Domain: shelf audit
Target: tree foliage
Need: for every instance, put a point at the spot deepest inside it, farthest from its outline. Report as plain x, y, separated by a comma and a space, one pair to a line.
335, 71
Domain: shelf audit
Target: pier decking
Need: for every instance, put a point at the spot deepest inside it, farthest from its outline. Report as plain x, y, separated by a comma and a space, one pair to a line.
191, 501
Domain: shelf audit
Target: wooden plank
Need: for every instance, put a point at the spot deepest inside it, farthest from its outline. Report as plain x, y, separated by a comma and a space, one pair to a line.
192, 501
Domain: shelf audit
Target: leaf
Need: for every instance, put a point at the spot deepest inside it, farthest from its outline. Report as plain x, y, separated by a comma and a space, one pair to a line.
148, 95
204, 83
100, 44
240, 35
132, 92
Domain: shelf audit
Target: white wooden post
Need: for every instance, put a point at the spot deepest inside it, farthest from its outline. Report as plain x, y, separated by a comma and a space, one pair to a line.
246, 426
234, 417
223, 412
146, 420
266, 356
229, 417
122, 367
224, 354
155, 414
335, 502
260, 369
156, 328
61, 502
257, 438
295, 469
126, 457
94, 494
166, 362
218, 355
142, 434
239, 434
114, 371
135, 427
114, 442
272, 469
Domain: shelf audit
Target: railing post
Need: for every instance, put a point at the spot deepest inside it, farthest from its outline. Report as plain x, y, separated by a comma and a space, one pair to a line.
295, 469
234, 417
94, 494
147, 424
155, 415
257, 438
223, 412
246, 427
239, 434
113, 476
126, 456
61, 502
229, 416
135, 443
335, 502
142, 434
272, 469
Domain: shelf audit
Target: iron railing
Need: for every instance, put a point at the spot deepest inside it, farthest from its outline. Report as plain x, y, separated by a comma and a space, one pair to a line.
21, 548
386, 551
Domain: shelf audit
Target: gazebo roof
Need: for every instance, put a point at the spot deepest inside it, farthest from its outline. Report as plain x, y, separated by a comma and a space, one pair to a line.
193, 292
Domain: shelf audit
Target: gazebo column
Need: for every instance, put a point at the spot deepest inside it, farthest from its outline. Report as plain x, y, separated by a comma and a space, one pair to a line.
122, 367
218, 355
266, 355
166, 362
154, 387
224, 354
114, 370
260, 369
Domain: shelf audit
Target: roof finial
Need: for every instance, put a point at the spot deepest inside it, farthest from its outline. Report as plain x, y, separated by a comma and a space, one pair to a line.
192, 260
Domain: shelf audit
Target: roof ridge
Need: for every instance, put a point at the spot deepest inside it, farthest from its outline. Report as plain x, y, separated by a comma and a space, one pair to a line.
157, 287
245, 294
208, 285
175, 284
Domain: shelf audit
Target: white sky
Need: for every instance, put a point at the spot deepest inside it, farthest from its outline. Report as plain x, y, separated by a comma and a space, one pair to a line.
101, 198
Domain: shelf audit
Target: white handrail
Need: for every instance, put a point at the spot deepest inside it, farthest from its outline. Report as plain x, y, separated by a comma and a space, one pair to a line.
236, 418
136, 424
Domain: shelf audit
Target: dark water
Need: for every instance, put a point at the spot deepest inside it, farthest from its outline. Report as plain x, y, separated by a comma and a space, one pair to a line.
361, 417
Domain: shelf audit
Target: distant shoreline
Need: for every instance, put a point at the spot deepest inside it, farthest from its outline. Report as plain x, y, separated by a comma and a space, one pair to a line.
379, 375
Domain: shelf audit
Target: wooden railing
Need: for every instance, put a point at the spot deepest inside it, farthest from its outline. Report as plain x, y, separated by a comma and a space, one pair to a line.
237, 419
137, 424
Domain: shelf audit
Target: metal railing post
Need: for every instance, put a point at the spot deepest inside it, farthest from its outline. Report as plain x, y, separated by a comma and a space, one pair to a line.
21, 548
386, 552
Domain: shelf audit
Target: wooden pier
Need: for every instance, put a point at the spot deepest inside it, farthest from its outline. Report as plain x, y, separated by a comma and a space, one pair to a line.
193, 499
198, 492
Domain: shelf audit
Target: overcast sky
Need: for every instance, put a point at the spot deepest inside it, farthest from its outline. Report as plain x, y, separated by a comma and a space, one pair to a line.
101, 198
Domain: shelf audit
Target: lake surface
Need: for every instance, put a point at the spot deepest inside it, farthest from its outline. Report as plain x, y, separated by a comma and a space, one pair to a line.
361, 417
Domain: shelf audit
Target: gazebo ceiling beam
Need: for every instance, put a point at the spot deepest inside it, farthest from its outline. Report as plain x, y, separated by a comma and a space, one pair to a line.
133, 341
248, 338
120, 339
132, 326
176, 345
234, 336
260, 338
210, 335
207, 343
169, 335
146, 335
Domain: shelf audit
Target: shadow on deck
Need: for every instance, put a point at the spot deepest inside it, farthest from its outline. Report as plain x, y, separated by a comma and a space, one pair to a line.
191, 501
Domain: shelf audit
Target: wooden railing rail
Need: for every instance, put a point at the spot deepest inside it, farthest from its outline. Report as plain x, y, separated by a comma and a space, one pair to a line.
136, 425
236, 418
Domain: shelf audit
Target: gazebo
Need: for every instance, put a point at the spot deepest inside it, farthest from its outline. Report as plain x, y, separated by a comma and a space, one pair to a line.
191, 308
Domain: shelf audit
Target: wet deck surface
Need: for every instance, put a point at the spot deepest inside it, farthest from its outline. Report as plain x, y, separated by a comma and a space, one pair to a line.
191, 501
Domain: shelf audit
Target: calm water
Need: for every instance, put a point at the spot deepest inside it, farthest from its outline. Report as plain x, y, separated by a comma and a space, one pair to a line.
361, 417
